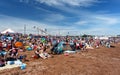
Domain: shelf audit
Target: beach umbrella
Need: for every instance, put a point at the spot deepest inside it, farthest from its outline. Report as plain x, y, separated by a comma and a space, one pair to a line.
18, 44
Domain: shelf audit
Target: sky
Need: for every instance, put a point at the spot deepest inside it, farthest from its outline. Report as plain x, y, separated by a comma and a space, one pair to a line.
61, 17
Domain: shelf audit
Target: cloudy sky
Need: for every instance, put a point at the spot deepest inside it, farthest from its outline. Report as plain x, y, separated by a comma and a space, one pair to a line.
96, 17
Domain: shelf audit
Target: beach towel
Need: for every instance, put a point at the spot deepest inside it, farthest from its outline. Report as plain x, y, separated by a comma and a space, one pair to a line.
9, 67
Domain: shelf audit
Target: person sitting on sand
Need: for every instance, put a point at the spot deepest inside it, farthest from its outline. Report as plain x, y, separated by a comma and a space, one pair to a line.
83, 45
41, 52
2, 61
13, 52
37, 53
1, 48
23, 58
2, 51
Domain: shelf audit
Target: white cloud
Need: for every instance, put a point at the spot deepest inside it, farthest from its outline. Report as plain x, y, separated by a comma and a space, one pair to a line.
17, 24
98, 24
54, 18
26, 1
84, 3
107, 20
98, 20
81, 22
50, 2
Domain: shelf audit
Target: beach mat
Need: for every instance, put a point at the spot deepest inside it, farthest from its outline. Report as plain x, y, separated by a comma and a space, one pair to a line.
9, 67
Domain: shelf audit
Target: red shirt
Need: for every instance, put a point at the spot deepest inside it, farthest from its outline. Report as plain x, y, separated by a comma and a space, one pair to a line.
1, 48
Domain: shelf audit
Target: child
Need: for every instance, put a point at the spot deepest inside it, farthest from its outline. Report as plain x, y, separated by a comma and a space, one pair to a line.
1, 47
13, 52
37, 53
2, 62
41, 52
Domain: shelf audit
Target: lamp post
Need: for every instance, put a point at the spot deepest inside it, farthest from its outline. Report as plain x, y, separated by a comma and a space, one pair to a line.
37, 29
40, 30
24, 29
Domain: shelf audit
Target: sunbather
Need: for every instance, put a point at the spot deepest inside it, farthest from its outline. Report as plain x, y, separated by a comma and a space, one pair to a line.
13, 52
2, 61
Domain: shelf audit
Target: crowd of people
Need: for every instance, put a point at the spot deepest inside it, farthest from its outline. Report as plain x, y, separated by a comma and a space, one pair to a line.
12, 44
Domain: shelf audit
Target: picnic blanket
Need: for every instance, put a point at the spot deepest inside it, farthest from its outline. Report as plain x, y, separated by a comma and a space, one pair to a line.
9, 67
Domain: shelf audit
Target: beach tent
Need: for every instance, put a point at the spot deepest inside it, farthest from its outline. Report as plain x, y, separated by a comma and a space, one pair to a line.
7, 31
104, 38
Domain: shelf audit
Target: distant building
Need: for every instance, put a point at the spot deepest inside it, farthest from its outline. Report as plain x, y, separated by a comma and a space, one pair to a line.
118, 35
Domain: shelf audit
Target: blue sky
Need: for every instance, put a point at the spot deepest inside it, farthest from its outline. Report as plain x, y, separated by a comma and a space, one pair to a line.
96, 17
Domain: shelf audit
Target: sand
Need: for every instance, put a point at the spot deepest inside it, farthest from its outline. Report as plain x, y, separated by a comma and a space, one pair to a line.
100, 61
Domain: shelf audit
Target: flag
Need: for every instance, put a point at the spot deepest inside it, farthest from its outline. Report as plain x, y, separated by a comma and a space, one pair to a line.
45, 30
34, 27
68, 32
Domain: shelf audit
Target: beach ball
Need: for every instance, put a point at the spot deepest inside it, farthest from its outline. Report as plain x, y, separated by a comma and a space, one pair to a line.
18, 44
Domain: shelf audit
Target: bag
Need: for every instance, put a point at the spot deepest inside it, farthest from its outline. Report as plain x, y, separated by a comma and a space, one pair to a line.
10, 62
23, 66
